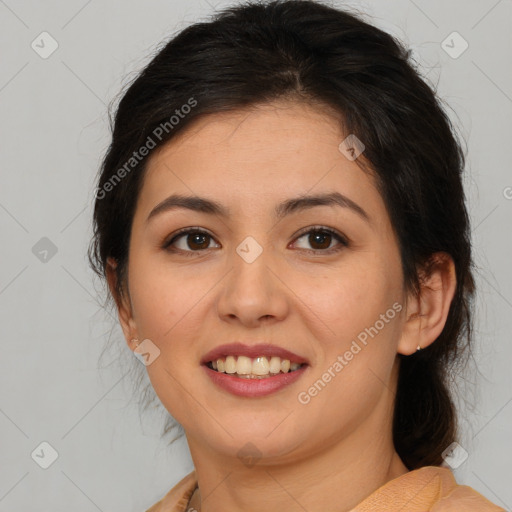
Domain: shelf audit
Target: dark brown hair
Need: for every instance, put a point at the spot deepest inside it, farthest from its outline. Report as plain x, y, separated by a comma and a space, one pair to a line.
261, 51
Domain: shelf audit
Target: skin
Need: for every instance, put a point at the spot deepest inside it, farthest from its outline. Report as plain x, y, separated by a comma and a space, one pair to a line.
332, 452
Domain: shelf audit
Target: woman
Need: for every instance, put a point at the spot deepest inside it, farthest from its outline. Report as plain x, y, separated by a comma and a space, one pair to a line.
281, 222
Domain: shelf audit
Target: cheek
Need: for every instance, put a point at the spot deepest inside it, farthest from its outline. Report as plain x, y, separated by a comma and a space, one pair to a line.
353, 298
166, 311
356, 362
161, 296
156, 306
361, 332
169, 307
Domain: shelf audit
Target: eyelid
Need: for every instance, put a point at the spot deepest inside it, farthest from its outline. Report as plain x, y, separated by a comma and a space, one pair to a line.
342, 239
183, 231
322, 228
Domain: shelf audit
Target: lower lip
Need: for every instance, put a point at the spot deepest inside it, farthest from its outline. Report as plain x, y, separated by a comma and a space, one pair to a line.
253, 387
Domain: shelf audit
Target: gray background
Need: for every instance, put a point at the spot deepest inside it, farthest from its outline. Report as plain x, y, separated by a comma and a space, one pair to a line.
54, 132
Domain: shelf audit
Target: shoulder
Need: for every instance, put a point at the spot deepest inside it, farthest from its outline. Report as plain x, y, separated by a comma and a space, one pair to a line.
430, 488
177, 499
463, 497
451, 496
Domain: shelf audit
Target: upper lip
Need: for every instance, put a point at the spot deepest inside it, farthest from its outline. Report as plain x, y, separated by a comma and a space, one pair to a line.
261, 349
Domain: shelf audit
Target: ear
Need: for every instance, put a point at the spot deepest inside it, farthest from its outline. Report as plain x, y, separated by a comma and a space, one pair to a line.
426, 312
124, 306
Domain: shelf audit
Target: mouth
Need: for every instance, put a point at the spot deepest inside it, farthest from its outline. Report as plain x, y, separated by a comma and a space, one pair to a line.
260, 367
253, 371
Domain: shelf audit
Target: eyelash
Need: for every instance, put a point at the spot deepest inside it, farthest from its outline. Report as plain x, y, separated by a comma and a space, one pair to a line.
314, 229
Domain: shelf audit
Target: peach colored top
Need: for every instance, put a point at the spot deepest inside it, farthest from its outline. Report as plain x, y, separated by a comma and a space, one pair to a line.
428, 489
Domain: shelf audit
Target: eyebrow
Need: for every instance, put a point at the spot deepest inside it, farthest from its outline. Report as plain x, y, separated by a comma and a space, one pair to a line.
294, 205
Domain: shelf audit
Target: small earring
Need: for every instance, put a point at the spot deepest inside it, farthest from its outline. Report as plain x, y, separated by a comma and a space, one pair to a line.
418, 348
136, 341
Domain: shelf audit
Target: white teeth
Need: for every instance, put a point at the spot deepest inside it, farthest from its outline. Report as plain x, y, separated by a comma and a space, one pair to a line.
230, 365
258, 367
275, 364
243, 365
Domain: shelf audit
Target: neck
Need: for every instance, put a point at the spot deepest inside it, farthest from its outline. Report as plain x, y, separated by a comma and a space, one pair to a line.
337, 476
301, 486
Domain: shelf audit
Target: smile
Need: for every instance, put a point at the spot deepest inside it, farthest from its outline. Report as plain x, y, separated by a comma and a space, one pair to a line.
253, 370
260, 367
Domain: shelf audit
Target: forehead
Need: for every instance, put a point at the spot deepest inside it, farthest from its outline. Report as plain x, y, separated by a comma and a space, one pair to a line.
265, 153
258, 133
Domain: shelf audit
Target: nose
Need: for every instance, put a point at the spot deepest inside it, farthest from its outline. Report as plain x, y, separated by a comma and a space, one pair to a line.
253, 293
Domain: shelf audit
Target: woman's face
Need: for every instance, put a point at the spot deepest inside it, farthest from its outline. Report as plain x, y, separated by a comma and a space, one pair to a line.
260, 275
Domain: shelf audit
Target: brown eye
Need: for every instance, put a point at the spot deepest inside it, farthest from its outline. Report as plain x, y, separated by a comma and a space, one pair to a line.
197, 241
194, 240
189, 240
320, 240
